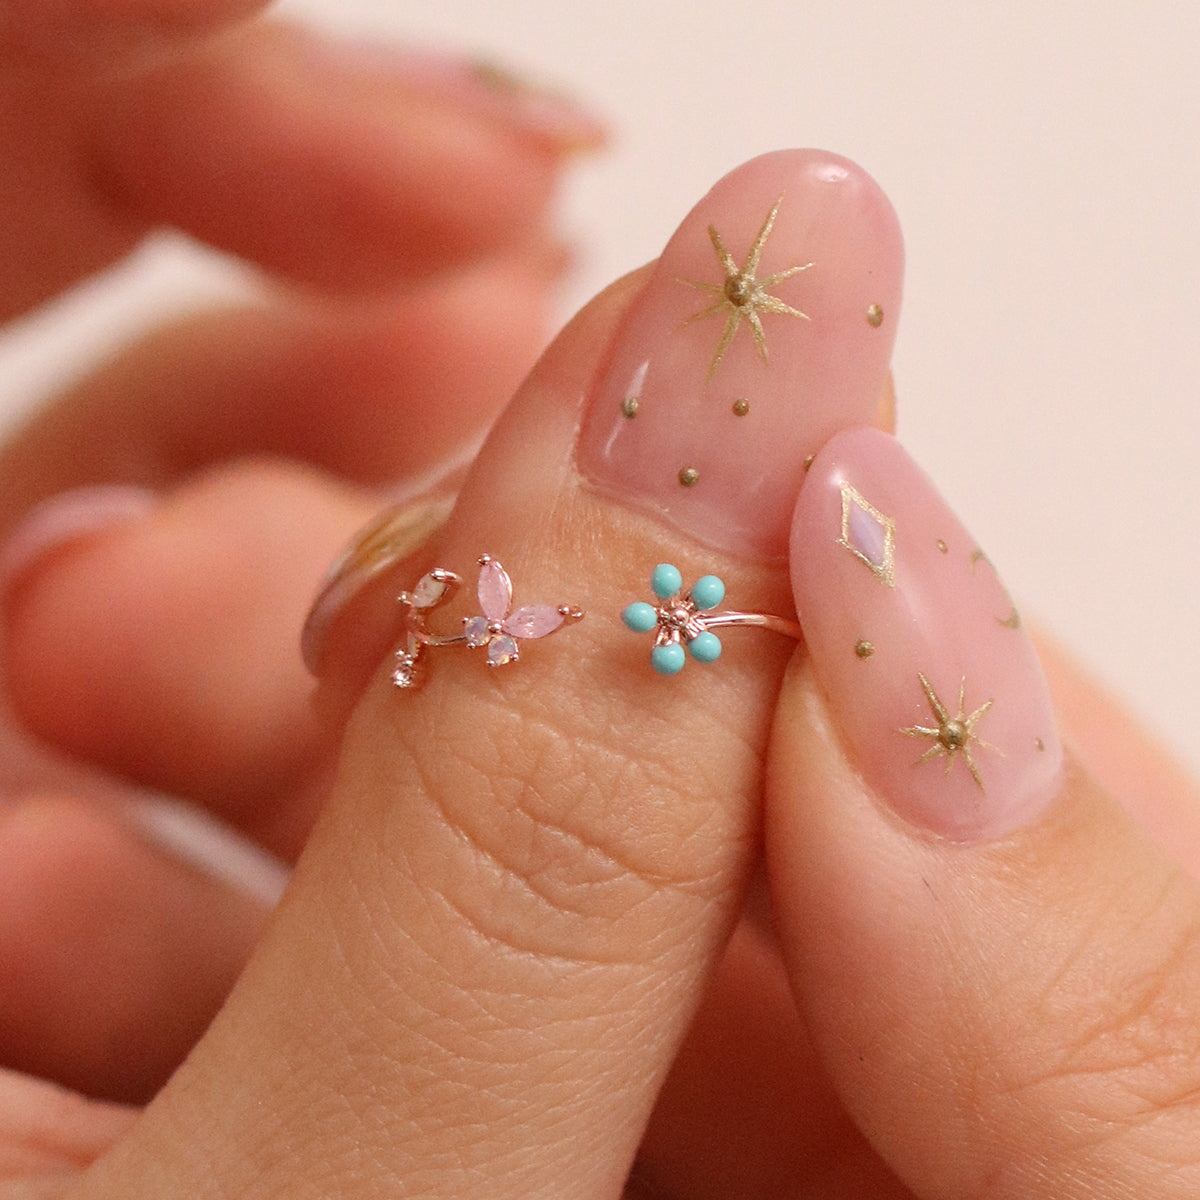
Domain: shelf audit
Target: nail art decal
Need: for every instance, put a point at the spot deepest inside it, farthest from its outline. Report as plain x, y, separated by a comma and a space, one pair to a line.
705, 411
1013, 619
953, 735
868, 535
742, 296
924, 669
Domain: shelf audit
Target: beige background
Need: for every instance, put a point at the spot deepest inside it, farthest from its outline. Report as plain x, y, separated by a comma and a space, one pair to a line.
1043, 159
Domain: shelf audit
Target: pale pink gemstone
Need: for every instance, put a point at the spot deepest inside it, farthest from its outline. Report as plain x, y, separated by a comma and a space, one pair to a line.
501, 650
533, 621
495, 590
429, 590
477, 631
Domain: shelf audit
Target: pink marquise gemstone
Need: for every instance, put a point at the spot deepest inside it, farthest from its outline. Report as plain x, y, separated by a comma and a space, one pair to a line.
495, 590
501, 650
533, 621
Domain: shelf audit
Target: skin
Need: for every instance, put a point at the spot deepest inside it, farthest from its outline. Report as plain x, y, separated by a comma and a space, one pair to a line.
497, 969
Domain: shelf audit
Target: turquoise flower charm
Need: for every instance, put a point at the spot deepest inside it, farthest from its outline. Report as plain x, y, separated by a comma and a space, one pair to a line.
678, 620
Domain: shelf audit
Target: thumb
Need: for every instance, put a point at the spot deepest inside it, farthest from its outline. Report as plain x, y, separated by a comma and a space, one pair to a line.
998, 967
497, 933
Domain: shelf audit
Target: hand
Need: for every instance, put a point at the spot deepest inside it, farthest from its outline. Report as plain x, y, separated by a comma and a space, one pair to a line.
399, 207
502, 925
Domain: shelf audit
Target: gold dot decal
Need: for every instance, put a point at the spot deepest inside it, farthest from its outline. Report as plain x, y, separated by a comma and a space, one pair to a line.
864, 649
741, 406
875, 316
808, 462
629, 407
689, 477
1039, 743
943, 547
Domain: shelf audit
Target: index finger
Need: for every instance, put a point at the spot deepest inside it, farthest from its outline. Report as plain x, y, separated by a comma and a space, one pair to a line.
67, 34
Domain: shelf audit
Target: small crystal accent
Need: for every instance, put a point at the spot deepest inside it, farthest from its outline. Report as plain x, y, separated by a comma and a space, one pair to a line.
477, 630
501, 649
404, 674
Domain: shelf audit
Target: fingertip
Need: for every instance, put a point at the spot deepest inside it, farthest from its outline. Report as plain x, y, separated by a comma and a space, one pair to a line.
164, 647
333, 172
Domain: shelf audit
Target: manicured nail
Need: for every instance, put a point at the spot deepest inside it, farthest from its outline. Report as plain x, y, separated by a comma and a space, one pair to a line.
495, 92
919, 649
198, 840
766, 326
66, 518
392, 536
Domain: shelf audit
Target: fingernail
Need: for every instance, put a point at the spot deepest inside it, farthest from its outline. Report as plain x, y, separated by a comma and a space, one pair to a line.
203, 843
66, 518
933, 680
766, 326
495, 92
393, 535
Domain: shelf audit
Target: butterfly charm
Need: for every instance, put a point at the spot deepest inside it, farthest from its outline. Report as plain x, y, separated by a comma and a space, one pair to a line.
497, 629
500, 630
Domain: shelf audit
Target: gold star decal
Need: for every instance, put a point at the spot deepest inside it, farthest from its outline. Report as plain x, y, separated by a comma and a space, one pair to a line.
743, 296
952, 735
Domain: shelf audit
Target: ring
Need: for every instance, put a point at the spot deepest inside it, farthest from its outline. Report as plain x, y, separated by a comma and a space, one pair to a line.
498, 630
690, 618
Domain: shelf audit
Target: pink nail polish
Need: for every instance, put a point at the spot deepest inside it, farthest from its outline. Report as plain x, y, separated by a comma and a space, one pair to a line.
392, 536
766, 326
479, 85
935, 684
65, 518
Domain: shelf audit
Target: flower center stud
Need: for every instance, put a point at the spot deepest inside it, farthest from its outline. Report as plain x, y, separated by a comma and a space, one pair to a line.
739, 290
953, 735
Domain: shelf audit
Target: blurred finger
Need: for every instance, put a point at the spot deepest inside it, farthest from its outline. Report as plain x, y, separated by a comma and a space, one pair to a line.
748, 1110
64, 35
380, 392
113, 956
47, 1134
332, 165
163, 646
1124, 757
335, 167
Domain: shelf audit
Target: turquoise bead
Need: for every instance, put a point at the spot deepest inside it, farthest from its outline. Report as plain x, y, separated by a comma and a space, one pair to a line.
669, 659
708, 592
640, 617
666, 581
705, 647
